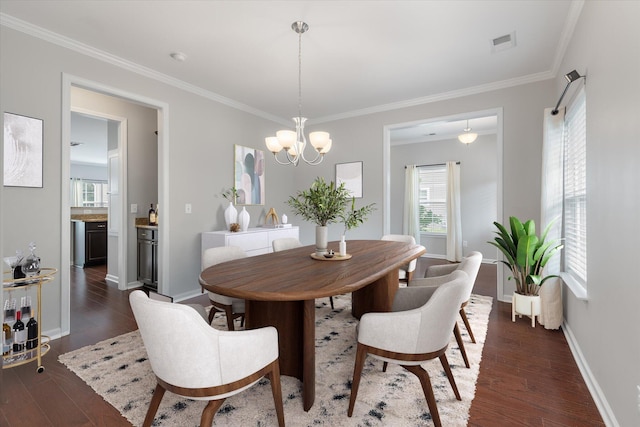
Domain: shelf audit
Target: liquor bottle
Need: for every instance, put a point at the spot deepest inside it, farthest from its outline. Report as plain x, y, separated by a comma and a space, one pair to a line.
19, 334
7, 339
32, 333
152, 215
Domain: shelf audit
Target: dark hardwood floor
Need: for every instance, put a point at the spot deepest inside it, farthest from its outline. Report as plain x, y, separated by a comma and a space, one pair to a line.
527, 375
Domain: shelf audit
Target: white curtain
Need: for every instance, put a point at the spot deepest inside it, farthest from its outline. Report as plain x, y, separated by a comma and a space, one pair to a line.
454, 222
410, 222
551, 210
76, 192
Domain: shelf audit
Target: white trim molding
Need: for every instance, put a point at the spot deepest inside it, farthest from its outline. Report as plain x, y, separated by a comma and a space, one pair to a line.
597, 394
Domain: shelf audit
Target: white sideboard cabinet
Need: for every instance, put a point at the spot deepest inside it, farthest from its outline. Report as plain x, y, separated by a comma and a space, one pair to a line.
254, 241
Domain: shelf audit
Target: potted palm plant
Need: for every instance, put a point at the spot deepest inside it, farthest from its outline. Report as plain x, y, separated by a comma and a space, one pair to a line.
526, 255
325, 203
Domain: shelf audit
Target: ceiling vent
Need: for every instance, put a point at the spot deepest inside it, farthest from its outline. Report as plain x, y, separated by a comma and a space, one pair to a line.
503, 42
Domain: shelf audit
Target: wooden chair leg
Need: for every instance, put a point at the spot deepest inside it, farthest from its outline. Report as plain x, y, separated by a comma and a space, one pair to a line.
212, 314
384, 366
331, 301
425, 381
153, 405
361, 355
276, 390
447, 370
206, 420
463, 314
456, 332
229, 314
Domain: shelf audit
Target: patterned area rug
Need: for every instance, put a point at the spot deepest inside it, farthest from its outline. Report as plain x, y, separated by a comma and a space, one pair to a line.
118, 370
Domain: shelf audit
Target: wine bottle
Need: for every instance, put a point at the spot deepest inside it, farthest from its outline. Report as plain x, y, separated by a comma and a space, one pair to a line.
32, 333
152, 215
157, 213
7, 339
19, 334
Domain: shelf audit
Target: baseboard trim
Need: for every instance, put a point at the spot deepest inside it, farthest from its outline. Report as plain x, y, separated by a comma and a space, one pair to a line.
111, 279
592, 384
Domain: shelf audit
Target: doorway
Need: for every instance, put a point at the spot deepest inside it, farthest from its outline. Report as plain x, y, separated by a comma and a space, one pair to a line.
126, 246
421, 133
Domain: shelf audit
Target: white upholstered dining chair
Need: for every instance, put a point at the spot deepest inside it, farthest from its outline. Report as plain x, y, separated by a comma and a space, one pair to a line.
416, 331
233, 308
406, 272
191, 359
285, 243
438, 274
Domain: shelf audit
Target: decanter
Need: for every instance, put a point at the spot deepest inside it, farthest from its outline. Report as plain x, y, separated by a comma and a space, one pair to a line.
31, 265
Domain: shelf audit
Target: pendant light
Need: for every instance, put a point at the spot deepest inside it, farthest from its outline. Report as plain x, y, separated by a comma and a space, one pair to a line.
294, 142
467, 137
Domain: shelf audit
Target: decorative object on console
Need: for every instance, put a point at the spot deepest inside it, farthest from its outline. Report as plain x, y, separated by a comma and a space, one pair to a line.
23, 139
249, 176
271, 215
525, 254
230, 213
292, 142
467, 137
243, 219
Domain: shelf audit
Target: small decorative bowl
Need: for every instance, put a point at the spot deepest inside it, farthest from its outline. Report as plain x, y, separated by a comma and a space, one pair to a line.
329, 254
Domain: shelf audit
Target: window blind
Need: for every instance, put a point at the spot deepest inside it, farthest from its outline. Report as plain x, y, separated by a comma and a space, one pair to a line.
575, 190
433, 199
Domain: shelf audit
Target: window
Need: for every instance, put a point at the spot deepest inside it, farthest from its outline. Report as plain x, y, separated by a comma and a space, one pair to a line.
575, 191
432, 189
89, 193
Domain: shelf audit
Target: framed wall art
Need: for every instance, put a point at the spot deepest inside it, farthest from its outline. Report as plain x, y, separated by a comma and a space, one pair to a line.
23, 140
249, 175
351, 175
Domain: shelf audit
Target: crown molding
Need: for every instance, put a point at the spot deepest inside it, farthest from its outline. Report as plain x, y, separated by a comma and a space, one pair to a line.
474, 90
66, 42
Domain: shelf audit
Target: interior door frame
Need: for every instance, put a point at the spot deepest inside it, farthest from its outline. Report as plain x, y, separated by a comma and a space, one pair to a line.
162, 108
386, 167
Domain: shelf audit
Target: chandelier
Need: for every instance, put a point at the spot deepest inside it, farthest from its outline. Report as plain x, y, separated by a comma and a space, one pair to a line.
467, 137
294, 143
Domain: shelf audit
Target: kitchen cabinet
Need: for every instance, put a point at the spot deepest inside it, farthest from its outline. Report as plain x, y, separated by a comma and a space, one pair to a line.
148, 257
90, 243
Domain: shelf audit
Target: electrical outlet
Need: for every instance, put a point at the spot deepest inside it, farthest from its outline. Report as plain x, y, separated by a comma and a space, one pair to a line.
187, 208
464, 243
134, 208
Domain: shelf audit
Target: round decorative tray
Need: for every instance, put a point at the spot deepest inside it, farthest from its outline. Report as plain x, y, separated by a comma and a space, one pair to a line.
336, 257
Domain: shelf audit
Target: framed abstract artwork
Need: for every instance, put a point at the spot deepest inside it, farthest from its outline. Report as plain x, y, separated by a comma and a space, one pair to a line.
351, 175
249, 175
23, 140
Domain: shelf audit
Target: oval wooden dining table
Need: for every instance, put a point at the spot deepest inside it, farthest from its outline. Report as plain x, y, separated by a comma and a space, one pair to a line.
280, 289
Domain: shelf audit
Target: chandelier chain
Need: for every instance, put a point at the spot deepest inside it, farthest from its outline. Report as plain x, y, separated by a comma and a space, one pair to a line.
300, 74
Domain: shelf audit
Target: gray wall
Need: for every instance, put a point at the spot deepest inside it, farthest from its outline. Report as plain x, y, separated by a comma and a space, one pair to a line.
605, 45
478, 189
606, 328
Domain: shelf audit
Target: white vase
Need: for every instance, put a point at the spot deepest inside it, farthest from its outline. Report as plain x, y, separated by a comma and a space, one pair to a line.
230, 215
528, 305
243, 219
343, 247
321, 239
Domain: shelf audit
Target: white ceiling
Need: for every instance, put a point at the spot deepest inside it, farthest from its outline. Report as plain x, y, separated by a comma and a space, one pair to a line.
357, 57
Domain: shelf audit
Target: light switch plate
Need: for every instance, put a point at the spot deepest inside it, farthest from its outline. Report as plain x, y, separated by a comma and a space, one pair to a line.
187, 208
134, 208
